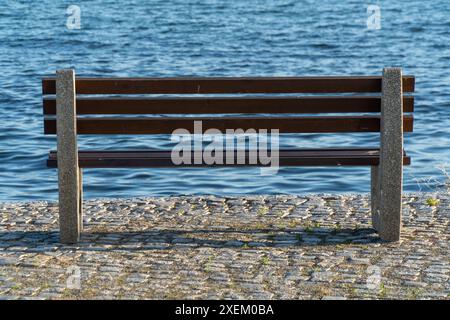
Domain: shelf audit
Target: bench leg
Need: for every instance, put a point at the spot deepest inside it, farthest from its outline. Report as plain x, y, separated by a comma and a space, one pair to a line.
69, 207
375, 196
391, 155
67, 157
80, 196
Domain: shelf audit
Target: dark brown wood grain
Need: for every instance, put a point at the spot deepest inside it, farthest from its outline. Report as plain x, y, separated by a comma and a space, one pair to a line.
219, 105
196, 85
298, 157
167, 125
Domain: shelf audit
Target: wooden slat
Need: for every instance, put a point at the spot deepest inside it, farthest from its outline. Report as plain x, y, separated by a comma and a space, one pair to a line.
310, 152
157, 153
297, 157
193, 85
284, 124
216, 105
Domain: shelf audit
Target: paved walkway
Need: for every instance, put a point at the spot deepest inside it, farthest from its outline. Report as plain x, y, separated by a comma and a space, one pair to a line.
255, 247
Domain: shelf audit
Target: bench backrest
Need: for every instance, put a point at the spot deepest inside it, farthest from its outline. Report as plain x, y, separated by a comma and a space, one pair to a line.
235, 101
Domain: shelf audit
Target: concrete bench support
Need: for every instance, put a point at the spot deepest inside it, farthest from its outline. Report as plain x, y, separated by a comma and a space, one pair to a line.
80, 195
69, 175
375, 196
390, 174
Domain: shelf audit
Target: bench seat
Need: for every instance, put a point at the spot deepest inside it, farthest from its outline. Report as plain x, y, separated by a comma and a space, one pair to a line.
287, 157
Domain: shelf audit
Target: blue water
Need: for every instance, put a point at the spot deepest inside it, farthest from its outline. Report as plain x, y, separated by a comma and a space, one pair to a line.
220, 38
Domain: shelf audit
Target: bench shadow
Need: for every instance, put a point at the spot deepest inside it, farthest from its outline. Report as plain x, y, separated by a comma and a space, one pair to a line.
166, 239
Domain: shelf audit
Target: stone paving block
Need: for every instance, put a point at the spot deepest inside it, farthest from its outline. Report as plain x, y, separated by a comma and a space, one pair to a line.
225, 247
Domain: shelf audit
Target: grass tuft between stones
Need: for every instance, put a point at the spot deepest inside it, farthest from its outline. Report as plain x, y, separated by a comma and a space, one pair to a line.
432, 202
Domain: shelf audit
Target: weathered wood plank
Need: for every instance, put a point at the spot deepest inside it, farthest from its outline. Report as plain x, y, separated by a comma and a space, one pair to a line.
293, 157
198, 85
218, 105
283, 124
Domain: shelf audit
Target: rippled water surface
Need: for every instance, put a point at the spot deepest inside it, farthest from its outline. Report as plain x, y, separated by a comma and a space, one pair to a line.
220, 38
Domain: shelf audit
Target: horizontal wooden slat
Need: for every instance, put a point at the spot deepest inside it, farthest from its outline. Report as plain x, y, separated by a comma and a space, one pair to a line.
195, 85
199, 105
284, 124
298, 157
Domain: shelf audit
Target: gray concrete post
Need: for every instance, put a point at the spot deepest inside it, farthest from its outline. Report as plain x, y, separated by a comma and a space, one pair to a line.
391, 155
80, 195
375, 196
67, 157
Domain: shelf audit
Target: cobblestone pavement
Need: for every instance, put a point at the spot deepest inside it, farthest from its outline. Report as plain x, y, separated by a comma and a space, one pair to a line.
253, 247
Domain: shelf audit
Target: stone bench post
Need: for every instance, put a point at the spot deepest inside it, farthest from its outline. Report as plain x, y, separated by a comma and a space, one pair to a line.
69, 174
375, 196
387, 178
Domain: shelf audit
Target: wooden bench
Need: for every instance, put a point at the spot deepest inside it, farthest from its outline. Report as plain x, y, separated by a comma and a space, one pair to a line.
381, 110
